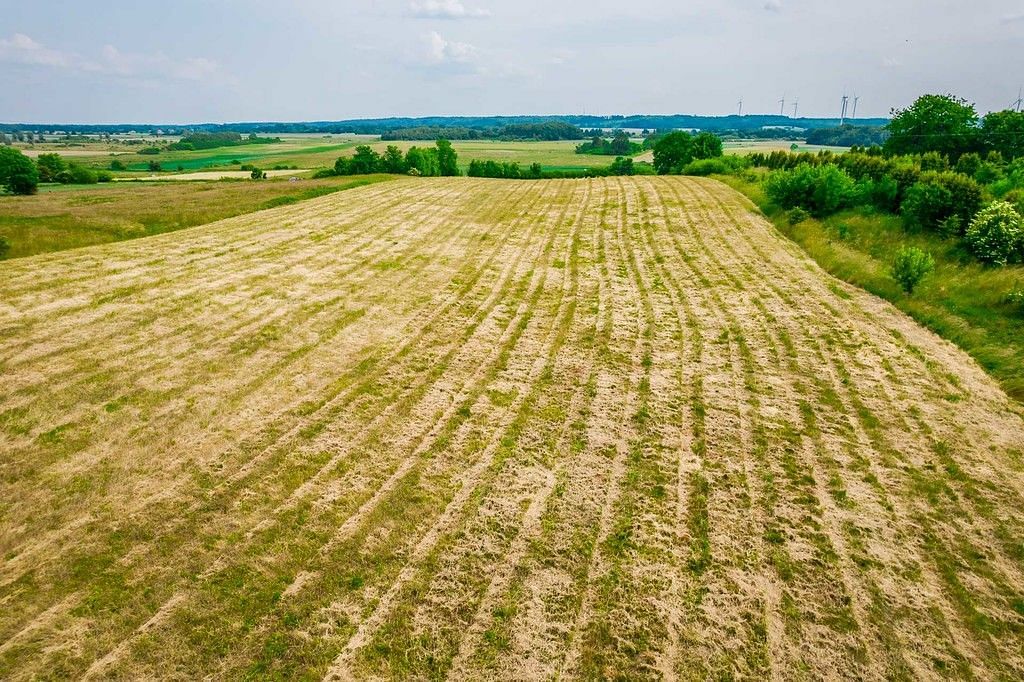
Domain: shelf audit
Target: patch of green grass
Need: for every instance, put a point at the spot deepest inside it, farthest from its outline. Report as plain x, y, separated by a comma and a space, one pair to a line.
98, 214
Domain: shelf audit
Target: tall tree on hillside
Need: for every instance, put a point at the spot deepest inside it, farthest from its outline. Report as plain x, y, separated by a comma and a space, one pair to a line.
935, 123
447, 159
672, 152
394, 161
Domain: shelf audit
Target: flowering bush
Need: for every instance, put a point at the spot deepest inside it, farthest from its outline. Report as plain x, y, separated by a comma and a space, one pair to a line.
996, 235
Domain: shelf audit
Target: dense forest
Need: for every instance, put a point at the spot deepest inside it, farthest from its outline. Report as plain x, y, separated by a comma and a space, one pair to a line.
618, 145
848, 136
213, 140
546, 130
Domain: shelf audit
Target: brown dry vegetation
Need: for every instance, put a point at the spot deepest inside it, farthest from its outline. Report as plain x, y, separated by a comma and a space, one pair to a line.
489, 429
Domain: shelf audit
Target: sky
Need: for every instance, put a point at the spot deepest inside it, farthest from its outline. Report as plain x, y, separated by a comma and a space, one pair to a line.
190, 61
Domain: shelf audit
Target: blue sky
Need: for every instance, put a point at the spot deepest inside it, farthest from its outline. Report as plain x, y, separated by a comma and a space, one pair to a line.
228, 60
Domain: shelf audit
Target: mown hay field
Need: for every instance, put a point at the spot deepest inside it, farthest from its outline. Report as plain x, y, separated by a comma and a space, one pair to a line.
607, 428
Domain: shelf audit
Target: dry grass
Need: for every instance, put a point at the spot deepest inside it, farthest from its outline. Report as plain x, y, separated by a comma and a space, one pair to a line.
612, 428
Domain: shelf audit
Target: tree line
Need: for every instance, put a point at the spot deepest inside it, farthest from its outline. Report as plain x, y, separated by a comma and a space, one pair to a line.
214, 140
848, 135
541, 131
966, 186
510, 170
20, 175
439, 160
951, 126
618, 145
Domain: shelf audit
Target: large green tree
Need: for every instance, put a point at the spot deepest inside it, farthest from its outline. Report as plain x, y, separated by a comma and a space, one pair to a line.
50, 167
17, 172
394, 160
672, 152
424, 161
1003, 131
365, 161
447, 159
935, 123
707, 145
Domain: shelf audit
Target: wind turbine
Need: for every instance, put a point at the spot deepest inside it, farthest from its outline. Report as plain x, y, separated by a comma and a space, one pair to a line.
1020, 100
853, 116
795, 105
782, 106
740, 103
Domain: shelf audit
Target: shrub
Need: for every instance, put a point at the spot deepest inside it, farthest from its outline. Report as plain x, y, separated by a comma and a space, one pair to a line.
155, 167
996, 235
926, 205
884, 194
116, 165
706, 167
324, 173
822, 190
80, 175
621, 166
969, 164
934, 161
104, 176
5, 247
796, 216
937, 196
257, 174
910, 266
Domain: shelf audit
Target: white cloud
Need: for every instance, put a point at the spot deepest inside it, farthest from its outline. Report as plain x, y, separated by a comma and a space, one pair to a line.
442, 51
1013, 18
773, 5
445, 9
149, 65
21, 49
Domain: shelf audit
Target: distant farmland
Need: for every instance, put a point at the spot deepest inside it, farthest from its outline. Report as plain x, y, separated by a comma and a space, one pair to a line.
483, 429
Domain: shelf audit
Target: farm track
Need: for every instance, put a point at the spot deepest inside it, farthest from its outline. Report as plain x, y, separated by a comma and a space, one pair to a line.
478, 429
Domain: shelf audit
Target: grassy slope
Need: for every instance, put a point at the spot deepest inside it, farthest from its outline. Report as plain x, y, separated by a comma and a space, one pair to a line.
962, 301
82, 215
